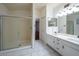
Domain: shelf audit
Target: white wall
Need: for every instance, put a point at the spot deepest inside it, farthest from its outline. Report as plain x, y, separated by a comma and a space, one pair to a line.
37, 13
61, 21
49, 10
49, 15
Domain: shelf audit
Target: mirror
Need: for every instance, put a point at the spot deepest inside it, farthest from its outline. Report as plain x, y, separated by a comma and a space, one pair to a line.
69, 24
52, 22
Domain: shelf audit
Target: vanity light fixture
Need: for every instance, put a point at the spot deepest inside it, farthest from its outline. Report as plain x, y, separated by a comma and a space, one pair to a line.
59, 14
64, 11
68, 10
75, 9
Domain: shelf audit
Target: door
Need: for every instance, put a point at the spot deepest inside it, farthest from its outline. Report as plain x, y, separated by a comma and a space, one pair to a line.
17, 32
25, 31
37, 30
10, 28
43, 29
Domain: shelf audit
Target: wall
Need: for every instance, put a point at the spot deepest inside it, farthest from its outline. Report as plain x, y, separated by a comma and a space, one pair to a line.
37, 13
61, 21
49, 15
21, 13
49, 10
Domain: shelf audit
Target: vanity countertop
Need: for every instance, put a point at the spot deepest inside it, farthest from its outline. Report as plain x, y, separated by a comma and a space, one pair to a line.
72, 39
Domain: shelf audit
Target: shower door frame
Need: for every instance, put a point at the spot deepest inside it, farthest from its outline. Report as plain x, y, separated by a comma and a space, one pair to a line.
1, 32
1, 39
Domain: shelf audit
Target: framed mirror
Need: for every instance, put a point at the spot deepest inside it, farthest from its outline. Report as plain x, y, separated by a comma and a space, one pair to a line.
69, 24
52, 22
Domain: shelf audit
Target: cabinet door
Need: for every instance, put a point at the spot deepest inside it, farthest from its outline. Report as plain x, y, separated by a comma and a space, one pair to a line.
68, 50
49, 39
54, 43
58, 45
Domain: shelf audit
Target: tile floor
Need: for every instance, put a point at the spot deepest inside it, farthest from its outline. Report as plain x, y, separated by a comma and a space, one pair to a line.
40, 49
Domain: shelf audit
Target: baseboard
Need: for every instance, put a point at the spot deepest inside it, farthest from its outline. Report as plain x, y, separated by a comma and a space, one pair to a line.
15, 49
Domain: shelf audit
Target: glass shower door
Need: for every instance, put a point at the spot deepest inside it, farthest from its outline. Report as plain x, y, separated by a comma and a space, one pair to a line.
10, 39
16, 32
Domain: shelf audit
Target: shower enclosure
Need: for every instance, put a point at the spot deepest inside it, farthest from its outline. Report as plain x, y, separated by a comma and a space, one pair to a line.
15, 32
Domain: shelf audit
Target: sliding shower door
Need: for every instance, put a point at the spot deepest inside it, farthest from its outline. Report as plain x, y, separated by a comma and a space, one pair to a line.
10, 38
0, 34
24, 31
17, 32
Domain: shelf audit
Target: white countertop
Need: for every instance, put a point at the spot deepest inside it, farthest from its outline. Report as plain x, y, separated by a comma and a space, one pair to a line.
69, 38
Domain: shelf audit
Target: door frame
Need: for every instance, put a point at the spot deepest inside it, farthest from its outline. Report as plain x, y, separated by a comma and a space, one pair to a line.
33, 24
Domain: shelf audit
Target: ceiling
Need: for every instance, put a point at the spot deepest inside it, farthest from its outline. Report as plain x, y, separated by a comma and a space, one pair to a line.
18, 6
41, 5
24, 6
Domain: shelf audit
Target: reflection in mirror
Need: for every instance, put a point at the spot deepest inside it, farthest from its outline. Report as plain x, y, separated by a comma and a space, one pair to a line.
69, 24
52, 22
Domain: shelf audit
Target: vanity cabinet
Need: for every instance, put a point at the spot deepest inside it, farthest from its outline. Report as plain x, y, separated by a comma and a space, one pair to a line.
55, 43
63, 47
70, 49
58, 45
51, 41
